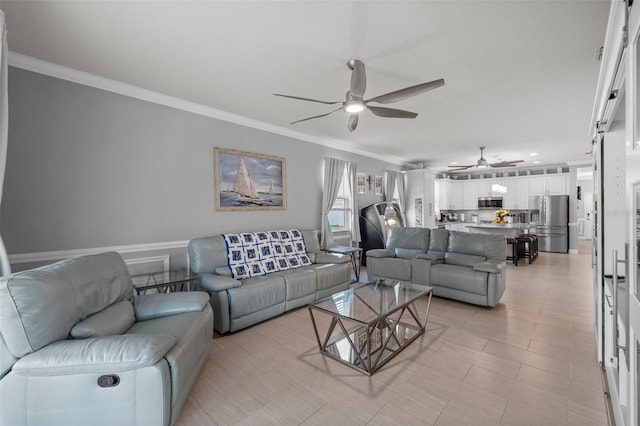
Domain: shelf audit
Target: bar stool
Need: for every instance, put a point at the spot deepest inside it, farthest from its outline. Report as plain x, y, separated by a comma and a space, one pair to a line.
534, 245
527, 246
515, 250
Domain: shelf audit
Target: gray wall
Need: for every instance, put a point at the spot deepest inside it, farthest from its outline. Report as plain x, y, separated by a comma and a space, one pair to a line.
88, 168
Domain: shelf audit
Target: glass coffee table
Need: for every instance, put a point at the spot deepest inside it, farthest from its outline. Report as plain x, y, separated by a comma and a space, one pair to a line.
370, 323
165, 282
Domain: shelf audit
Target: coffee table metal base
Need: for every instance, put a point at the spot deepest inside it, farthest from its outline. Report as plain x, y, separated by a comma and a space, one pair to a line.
367, 348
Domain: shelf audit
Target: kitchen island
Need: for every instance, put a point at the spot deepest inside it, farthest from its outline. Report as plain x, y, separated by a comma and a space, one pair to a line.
509, 230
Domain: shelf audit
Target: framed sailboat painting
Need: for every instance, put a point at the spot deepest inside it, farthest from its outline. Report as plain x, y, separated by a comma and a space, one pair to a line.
249, 181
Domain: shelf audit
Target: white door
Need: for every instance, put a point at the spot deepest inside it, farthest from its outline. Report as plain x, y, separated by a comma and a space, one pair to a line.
588, 215
632, 169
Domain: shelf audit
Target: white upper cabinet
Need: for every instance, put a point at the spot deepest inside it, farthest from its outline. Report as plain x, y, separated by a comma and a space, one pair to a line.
456, 199
557, 185
469, 194
516, 196
548, 185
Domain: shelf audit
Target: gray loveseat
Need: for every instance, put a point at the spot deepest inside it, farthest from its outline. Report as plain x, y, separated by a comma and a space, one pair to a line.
240, 303
78, 348
458, 265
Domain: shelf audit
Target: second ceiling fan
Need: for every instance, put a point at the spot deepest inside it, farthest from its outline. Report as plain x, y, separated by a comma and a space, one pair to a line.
355, 102
482, 163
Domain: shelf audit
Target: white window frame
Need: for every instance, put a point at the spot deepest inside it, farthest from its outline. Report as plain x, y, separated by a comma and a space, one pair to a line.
345, 197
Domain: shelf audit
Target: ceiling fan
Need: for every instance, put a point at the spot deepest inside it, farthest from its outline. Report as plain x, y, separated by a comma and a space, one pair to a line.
483, 164
355, 102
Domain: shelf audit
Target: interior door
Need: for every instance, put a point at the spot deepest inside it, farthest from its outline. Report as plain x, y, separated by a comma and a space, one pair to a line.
632, 167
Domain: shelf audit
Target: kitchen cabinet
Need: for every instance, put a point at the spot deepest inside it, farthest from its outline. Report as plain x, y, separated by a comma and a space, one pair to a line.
469, 195
456, 198
449, 194
557, 185
443, 192
548, 185
516, 196
420, 185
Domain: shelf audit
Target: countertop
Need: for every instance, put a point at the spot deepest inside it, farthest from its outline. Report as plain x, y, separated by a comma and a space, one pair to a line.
501, 225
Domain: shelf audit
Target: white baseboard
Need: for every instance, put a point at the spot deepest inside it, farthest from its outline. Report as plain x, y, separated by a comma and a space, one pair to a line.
573, 251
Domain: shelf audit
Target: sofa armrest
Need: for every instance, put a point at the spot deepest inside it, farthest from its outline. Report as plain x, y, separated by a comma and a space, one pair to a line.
215, 282
435, 258
108, 354
149, 306
381, 253
493, 266
324, 257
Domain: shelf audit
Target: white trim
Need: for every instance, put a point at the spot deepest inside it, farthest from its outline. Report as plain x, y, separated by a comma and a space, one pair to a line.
58, 71
153, 259
46, 256
573, 251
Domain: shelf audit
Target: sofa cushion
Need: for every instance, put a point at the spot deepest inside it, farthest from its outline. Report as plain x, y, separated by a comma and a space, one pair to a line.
489, 246
256, 294
459, 278
409, 238
405, 253
114, 319
438, 240
390, 267
110, 353
469, 260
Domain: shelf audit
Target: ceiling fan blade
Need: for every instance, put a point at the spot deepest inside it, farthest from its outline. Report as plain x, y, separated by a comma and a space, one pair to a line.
353, 122
506, 163
407, 92
358, 79
307, 99
391, 112
317, 116
461, 167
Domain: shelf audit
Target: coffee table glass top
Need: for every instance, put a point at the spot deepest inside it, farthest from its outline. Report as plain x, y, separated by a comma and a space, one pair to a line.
369, 324
368, 303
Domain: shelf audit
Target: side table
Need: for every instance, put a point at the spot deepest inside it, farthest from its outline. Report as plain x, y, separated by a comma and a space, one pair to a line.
354, 252
164, 282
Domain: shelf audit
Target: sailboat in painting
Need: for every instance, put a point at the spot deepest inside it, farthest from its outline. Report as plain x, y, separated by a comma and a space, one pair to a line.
244, 186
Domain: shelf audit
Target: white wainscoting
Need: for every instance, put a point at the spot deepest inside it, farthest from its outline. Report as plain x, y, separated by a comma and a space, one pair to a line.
140, 258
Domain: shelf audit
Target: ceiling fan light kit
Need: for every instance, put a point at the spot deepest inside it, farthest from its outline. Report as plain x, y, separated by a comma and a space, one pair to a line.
355, 103
483, 163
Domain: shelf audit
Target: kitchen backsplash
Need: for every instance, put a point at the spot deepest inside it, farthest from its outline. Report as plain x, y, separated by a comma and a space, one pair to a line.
516, 216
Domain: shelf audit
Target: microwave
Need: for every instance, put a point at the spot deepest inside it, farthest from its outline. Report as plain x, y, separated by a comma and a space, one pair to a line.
490, 202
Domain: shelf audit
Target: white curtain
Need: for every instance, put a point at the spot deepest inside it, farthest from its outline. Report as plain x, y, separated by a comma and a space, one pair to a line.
333, 172
391, 177
402, 193
353, 197
5, 266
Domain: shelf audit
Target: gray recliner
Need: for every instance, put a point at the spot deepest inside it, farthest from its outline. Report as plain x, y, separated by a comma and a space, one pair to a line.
78, 348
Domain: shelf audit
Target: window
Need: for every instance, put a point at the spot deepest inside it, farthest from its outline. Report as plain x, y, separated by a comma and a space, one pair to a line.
340, 214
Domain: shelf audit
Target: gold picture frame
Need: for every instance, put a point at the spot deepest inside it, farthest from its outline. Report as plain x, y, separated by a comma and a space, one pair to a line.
247, 181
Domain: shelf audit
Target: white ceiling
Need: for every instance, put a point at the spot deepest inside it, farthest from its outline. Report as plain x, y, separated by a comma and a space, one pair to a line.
520, 75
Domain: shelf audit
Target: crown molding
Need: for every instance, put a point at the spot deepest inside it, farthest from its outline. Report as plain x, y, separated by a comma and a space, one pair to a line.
39, 66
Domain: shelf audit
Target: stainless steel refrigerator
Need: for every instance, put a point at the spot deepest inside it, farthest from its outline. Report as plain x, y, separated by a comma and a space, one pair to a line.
550, 219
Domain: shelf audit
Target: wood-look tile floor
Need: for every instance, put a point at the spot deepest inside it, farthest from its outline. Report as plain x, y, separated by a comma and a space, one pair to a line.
531, 360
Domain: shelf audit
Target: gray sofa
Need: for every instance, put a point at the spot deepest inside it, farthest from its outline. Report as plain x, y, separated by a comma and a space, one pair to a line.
78, 348
238, 304
458, 265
